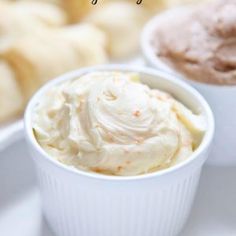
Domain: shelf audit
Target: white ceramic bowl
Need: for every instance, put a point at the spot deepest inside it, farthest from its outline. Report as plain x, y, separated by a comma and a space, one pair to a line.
87, 204
222, 99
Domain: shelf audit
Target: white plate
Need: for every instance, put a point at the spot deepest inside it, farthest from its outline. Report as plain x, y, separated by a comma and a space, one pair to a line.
214, 211
10, 133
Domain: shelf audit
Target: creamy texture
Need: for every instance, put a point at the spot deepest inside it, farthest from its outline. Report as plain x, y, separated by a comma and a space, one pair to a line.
200, 42
111, 123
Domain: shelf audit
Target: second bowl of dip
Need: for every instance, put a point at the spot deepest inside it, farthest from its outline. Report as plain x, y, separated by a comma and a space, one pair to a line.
81, 202
220, 96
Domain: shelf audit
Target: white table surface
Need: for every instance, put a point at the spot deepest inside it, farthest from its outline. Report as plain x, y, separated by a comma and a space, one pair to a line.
214, 211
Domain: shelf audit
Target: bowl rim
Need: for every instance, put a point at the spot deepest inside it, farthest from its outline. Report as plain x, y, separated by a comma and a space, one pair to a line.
207, 139
150, 56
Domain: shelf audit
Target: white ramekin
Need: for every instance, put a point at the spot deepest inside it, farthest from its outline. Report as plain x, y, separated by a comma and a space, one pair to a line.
222, 99
87, 204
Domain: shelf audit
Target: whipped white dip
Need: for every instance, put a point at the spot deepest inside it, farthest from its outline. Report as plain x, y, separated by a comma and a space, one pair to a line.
111, 123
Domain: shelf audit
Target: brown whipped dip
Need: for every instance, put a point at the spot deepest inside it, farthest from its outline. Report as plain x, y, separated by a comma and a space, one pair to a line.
200, 42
